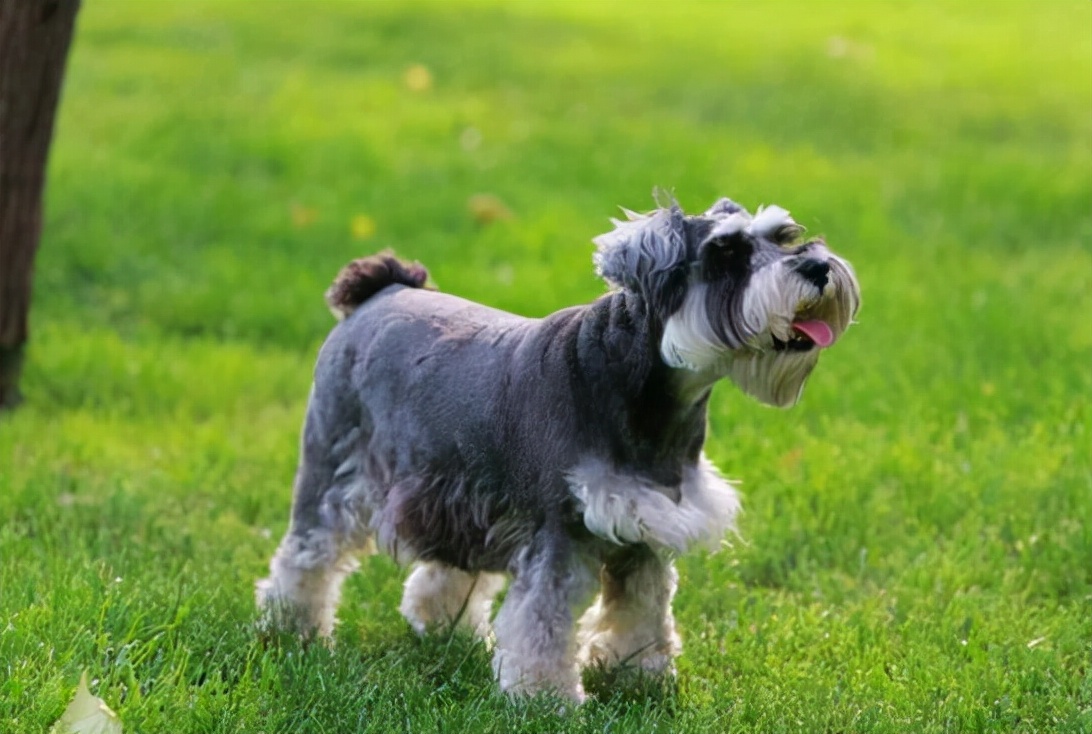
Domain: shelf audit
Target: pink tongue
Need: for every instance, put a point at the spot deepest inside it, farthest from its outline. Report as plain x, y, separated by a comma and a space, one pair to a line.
817, 331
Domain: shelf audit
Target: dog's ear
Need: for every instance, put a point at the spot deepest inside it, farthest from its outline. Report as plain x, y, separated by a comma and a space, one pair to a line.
646, 254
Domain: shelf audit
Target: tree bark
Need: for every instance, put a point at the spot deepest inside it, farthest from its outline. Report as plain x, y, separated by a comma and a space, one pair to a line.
34, 40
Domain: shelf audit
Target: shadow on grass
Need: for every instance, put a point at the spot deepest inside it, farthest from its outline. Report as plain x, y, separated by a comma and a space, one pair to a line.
443, 677
627, 686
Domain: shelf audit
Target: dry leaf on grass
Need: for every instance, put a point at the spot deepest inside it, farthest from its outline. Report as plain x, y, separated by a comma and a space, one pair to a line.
362, 227
417, 78
488, 208
87, 714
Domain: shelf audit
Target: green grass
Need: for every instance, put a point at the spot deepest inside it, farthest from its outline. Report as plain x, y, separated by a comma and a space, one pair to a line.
917, 544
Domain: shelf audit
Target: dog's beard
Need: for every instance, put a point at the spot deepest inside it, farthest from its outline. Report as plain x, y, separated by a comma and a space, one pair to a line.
758, 346
776, 297
775, 378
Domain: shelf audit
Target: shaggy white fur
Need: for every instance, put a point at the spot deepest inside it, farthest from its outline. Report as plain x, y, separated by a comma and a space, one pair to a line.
631, 621
624, 509
437, 595
304, 584
689, 340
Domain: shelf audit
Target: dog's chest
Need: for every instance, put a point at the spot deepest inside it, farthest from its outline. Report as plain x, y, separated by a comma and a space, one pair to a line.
623, 508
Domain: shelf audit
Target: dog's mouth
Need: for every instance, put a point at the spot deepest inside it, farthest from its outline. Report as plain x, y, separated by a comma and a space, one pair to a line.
806, 335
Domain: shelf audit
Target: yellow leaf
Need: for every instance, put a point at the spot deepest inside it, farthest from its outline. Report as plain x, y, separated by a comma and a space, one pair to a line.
87, 714
487, 208
417, 78
362, 226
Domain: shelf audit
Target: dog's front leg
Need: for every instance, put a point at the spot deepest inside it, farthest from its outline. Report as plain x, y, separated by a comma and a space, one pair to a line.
631, 621
536, 645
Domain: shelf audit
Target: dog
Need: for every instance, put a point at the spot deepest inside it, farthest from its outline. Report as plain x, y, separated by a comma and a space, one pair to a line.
562, 452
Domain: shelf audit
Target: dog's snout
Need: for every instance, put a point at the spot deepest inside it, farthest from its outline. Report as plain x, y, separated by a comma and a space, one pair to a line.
815, 272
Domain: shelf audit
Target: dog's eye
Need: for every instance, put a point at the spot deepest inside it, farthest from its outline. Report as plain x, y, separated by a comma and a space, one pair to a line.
728, 254
787, 234
732, 244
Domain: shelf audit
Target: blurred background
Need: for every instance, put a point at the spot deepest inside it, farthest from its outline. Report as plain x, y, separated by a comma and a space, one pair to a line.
215, 163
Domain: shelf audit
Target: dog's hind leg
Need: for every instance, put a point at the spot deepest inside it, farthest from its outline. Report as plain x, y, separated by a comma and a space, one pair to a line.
631, 622
536, 645
328, 529
437, 594
303, 589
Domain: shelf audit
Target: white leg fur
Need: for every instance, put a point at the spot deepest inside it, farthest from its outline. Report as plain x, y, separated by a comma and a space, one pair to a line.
437, 595
304, 584
536, 645
631, 621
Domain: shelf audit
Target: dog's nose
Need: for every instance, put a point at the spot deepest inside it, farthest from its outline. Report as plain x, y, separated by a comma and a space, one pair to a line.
815, 272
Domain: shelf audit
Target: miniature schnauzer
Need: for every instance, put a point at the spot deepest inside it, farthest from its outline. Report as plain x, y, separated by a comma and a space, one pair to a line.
563, 452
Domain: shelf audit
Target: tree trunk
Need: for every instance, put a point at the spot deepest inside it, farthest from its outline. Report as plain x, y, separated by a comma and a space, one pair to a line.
34, 40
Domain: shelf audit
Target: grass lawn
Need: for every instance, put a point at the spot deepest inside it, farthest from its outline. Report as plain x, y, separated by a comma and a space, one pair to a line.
916, 552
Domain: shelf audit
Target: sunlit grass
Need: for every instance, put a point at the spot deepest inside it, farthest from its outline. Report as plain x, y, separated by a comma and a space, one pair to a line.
916, 553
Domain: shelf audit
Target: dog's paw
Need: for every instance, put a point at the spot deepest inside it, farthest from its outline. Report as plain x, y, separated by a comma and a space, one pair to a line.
519, 675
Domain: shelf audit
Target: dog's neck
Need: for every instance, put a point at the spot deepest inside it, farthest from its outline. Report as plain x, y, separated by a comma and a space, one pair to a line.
661, 421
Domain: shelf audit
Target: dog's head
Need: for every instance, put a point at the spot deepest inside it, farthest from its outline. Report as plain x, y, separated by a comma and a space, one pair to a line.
734, 295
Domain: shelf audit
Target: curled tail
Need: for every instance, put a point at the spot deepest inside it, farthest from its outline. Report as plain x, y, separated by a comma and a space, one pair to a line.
363, 278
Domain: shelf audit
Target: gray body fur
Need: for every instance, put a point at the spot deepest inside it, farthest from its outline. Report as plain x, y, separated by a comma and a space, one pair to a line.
464, 421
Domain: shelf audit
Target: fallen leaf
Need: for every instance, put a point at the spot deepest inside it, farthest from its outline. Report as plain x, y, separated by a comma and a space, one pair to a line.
87, 714
487, 208
362, 226
791, 458
417, 78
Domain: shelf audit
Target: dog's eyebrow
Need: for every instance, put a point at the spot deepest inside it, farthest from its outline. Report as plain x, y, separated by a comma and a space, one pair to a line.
774, 222
730, 225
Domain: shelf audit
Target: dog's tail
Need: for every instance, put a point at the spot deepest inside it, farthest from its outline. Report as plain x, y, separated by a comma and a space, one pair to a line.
363, 278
